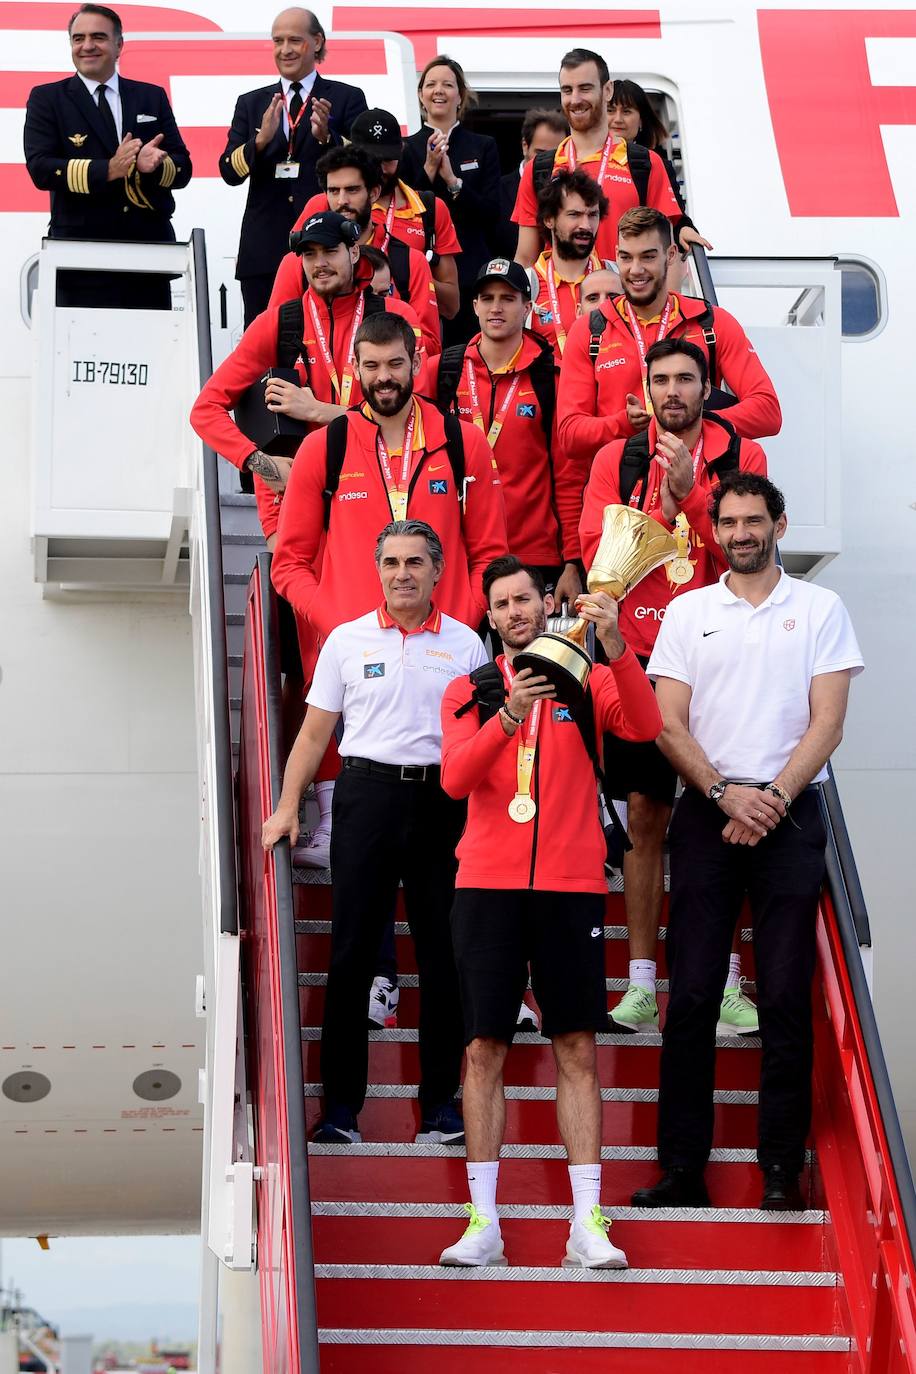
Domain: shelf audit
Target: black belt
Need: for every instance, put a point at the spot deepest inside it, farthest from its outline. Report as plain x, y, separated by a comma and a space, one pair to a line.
400, 772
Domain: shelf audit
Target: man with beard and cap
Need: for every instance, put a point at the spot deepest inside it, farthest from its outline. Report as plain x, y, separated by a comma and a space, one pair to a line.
352, 179
570, 209
627, 174
278, 133
752, 678
668, 471
531, 886
603, 390
417, 218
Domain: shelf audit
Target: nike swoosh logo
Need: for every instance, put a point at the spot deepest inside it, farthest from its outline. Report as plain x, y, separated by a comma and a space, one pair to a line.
440, 467
707, 633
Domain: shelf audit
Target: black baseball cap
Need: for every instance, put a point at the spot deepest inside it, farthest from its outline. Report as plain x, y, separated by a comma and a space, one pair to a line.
502, 269
378, 132
328, 228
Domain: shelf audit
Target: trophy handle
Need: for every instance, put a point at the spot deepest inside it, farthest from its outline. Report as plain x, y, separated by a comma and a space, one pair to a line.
578, 632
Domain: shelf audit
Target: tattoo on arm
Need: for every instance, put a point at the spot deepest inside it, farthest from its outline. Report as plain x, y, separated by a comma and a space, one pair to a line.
263, 465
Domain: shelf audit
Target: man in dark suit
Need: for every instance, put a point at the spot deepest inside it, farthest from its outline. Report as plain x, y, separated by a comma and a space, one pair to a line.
110, 153
278, 134
542, 130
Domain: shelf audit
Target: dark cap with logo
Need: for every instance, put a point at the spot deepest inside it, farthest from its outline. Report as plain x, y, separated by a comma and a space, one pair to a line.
502, 269
328, 228
378, 132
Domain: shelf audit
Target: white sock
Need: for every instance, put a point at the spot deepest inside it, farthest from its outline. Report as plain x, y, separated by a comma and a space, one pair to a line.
585, 1181
734, 971
324, 795
482, 1187
642, 974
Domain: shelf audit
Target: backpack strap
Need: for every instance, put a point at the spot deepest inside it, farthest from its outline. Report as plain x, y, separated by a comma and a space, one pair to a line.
428, 217
451, 361
730, 460
399, 258
543, 380
290, 328
706, 322
454, 447
597, 324
335, 453
542, 168
640, 165
584, 716
634, 467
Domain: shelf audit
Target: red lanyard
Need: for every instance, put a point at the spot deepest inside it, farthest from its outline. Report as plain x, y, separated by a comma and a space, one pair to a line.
495, 429
605, 155
654, 499
398, 491
636, 331
553, 294
389, 222
342, 390
294, 123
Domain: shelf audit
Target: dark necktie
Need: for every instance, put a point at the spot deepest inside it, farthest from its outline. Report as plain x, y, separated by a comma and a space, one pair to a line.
105, 111
295, 105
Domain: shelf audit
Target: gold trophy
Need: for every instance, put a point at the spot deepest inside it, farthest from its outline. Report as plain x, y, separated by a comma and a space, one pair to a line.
631, 546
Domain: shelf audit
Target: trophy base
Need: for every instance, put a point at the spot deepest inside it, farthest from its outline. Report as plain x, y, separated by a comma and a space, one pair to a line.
562, 662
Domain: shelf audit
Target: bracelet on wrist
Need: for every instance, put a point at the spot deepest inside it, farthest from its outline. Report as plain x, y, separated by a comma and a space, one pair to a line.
516, 720
779, 792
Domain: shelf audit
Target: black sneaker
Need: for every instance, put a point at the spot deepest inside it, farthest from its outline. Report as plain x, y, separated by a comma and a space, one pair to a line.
781, 1192
337, 1127
441, 1125
675, 1188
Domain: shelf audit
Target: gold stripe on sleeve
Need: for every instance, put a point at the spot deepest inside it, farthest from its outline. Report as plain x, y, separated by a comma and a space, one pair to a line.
239, 161
168, 173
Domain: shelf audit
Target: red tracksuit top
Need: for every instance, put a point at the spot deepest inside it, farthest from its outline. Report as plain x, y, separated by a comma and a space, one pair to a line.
257, 351
542, 315
341, 584
592, 397
563, 848
407, 224
520, 453
421, 295
642, 610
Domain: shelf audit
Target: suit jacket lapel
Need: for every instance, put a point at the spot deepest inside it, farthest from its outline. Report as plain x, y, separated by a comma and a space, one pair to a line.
90, 112
317, 92
129, 108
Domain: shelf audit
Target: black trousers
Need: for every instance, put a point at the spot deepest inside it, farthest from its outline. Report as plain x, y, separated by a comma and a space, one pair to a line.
255, 295
385, 831
781, 877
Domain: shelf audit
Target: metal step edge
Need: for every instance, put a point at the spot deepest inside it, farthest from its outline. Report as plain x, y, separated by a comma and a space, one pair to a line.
409, 1036
724, 1278
382, 1149
606, 1340
236, 661
321, 877
412, 980
235, 617
309, 927
243, 538
236, 579
522, 1212
725, 1097
238, 498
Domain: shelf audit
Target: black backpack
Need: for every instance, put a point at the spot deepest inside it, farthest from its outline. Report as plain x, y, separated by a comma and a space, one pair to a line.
398, 255
634, 461
638, 161
543, 380
489, 694
336, 450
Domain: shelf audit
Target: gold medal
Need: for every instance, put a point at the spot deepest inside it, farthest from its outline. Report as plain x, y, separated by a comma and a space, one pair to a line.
680, 571
522, 808
398, 502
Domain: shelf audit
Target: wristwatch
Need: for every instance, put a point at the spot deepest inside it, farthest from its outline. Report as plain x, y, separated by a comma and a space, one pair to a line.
455, 187
717, 791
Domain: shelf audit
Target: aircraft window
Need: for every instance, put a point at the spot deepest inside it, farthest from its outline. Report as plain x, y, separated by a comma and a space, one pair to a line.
862, 296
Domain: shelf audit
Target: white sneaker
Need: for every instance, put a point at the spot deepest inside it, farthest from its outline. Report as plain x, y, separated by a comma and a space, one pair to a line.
588, 1246
527, 1019
383, 1004
481, 1244
315, 853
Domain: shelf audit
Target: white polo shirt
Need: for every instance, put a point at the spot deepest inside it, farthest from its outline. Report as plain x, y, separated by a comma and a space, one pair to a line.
388, 683
750, 668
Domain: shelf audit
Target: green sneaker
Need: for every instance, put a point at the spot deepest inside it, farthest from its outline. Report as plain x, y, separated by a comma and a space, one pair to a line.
637, 1010
737, 1014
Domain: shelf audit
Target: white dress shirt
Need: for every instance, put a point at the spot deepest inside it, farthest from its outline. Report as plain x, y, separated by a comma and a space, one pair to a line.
112, 95
306, 84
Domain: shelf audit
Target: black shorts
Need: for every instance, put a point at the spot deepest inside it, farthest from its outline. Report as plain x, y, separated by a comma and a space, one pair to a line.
631, 766
496, 933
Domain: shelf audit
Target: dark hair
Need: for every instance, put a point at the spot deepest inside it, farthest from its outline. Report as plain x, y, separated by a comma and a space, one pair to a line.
554, 119
507, 565
667, 348
576, 183
466, 96
747, 484
340, 157
642, 219
631, 95
317, 31
385, 328
111, 15
577, 57
374, 256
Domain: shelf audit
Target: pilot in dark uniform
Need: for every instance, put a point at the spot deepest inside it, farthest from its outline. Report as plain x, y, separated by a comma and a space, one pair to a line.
110, 153
278, 134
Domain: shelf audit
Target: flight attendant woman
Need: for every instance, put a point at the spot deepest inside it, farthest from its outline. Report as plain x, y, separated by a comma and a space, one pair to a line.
462, 168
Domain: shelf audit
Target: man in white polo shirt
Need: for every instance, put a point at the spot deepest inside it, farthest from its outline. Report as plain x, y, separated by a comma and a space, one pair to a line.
385, 674
752, 680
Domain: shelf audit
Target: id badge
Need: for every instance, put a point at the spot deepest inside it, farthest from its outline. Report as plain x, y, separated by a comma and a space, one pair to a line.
286, 171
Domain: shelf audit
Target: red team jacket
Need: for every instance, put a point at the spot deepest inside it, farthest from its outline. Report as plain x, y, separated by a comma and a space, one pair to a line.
256, 352
407, 223
617, 184
343, 583
643, 609
520, 453
563, 848
592, 398
543, 319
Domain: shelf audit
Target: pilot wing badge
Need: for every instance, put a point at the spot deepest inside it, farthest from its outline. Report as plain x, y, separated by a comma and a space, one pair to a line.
78, 139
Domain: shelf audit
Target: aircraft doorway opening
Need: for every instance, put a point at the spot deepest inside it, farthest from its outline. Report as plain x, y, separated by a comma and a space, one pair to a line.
500, 114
